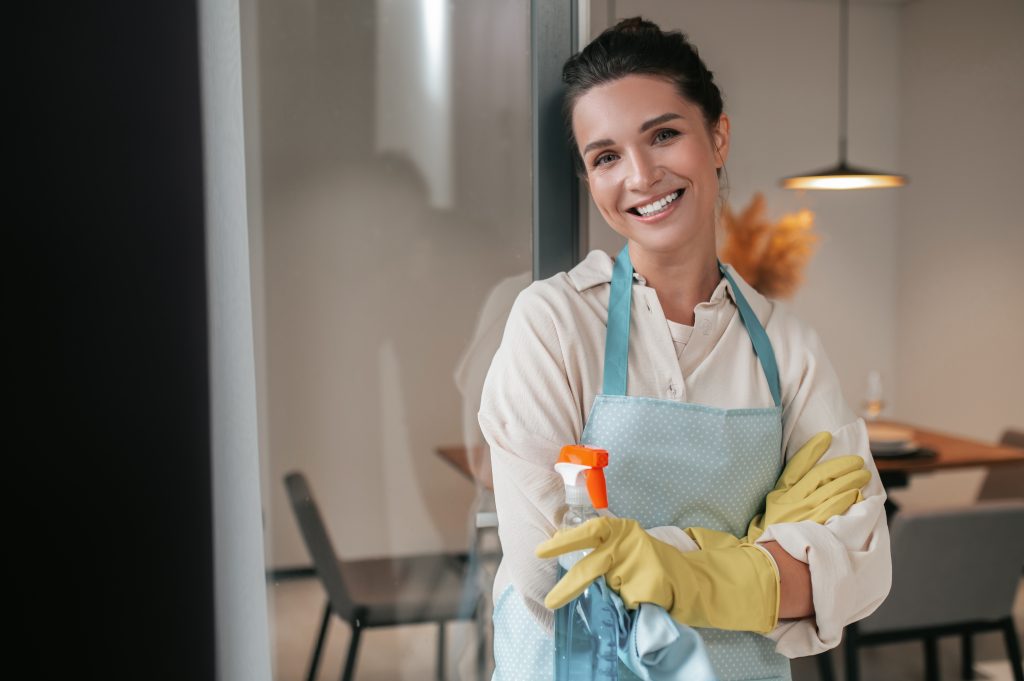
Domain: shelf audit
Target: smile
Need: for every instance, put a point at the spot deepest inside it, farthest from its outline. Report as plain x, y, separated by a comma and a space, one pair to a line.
655, 207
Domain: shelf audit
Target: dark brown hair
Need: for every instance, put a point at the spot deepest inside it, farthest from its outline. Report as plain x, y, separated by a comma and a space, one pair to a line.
639, 47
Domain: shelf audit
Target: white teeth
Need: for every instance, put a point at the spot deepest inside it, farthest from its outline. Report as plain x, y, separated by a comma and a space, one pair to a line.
658, 206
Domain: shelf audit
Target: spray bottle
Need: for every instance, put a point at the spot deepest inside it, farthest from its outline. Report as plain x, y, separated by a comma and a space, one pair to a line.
585, 628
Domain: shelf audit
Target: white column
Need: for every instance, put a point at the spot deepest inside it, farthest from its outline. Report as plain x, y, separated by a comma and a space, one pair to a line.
243, 645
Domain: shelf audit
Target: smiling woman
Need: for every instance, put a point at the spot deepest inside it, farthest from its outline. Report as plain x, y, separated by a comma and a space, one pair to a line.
698, 425
652, 169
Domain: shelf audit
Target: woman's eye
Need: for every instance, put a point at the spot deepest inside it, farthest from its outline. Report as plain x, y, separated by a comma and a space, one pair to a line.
604, 158
666, 134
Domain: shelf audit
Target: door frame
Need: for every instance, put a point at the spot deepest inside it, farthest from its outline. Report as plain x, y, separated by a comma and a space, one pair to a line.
554, 37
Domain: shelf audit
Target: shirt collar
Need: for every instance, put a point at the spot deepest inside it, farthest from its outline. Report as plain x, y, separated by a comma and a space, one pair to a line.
596, 269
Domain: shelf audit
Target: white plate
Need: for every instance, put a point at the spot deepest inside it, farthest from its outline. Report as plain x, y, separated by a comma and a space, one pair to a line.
898, 449
885, 435
891, 444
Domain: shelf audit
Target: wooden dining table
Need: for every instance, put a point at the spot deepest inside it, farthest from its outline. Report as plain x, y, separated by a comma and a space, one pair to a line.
942, 452
457, 457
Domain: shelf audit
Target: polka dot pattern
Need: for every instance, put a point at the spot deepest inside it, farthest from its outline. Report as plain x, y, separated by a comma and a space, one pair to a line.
522, 649
687, 465
743, 655
670, 463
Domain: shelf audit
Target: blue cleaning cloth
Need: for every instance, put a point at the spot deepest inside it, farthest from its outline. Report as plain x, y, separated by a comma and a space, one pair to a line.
653, 645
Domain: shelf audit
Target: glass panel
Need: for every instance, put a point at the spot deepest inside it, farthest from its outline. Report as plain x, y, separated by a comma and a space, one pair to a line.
395, 212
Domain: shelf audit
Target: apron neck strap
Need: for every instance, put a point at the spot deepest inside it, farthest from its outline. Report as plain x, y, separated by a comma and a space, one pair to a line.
616, 349
616, 345
758, 337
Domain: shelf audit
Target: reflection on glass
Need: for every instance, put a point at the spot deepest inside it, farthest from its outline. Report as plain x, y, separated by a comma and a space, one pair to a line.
470, 373
414, 90
395, 195
474, 363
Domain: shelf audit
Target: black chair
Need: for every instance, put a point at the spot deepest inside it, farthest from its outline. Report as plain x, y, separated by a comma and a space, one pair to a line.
955, 572
381, 592
1005, 482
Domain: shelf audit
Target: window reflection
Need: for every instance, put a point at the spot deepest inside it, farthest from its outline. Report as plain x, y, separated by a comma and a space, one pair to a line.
396, 209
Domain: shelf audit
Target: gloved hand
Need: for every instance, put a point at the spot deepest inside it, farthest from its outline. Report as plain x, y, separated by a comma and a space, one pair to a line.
808, 490
726, 585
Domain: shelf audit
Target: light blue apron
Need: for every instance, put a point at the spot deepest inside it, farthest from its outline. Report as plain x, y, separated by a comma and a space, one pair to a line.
670, 463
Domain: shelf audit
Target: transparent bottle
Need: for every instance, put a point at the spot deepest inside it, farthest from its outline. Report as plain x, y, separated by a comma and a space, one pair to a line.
585, 629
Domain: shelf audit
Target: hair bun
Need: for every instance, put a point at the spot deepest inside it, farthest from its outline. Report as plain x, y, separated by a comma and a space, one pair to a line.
635, 26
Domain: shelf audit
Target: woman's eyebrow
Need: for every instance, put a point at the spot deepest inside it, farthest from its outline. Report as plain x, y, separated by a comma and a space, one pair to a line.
598, 143
663, 118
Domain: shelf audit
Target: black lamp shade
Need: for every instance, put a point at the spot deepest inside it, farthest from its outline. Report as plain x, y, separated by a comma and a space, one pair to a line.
843, 176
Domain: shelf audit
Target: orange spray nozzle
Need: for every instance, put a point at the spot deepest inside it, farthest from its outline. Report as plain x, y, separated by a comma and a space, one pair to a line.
595, 460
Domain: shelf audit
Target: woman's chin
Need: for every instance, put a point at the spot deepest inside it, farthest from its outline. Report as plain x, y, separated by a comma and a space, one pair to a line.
664, 239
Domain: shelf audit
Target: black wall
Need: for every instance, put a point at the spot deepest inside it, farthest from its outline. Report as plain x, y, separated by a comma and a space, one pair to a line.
114, 534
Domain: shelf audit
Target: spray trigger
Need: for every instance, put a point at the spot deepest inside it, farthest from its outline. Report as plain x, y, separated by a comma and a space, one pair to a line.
575, 460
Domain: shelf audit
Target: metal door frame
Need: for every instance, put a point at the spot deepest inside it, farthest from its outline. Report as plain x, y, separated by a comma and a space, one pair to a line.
556, 192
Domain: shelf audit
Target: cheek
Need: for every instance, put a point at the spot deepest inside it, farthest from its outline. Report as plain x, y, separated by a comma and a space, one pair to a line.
698, 156
602, 191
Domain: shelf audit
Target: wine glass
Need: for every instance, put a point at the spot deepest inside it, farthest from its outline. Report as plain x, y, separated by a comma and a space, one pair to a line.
874, 402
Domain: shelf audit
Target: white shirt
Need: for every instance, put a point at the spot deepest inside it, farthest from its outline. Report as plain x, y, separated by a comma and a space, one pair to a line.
680, 337
548, 371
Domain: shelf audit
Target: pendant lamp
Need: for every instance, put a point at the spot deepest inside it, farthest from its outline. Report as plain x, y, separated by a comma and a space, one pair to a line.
843, 175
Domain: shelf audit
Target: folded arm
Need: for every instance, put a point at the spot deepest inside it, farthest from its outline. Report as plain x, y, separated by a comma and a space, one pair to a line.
847, 556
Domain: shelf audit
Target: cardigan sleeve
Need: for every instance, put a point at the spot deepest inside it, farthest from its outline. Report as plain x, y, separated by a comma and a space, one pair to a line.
848, 556
528, 412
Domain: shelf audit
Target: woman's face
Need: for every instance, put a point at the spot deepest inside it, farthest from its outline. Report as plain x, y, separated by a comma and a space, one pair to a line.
651, 162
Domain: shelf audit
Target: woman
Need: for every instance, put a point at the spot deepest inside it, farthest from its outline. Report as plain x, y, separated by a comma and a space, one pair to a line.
700, 388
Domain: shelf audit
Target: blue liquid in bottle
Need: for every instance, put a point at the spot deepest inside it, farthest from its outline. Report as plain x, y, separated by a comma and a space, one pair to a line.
585, 628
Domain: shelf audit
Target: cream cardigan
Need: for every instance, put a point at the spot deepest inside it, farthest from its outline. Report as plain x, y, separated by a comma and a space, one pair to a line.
548, 370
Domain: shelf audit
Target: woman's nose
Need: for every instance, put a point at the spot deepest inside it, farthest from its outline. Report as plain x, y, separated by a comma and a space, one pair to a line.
645, 172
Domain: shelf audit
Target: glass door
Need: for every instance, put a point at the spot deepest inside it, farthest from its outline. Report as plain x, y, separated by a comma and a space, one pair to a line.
393, 226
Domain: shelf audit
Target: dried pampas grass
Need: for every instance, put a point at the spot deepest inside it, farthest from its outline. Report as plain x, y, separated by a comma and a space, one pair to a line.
771, 257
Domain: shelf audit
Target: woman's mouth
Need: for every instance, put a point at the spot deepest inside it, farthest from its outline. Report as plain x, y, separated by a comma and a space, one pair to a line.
658, 207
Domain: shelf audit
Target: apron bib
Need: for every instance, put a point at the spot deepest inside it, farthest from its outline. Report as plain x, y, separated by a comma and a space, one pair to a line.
670, 463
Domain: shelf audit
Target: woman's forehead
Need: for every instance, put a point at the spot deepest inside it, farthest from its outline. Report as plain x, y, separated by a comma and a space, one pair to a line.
625, 104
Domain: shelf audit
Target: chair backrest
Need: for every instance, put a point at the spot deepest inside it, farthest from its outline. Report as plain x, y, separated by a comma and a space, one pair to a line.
1013, 438
952, 566
318, 543
1005, 482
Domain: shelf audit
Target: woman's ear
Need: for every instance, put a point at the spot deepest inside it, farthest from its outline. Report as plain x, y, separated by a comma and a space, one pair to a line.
720, 138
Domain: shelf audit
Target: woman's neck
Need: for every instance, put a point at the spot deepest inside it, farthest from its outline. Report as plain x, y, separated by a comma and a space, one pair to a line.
682, 280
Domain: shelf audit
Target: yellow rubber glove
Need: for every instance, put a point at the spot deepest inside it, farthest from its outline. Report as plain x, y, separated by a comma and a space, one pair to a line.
734, 587
713, 539
808, 490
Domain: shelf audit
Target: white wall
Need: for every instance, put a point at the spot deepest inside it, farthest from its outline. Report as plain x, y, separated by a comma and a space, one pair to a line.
777, 64
960, 281
960, 284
